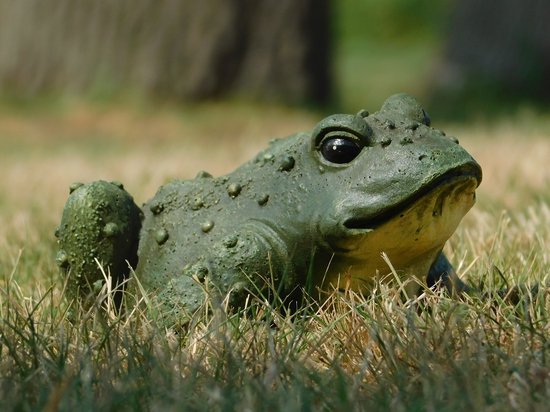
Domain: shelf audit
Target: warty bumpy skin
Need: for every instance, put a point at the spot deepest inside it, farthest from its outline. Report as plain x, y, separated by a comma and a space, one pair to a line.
315, 210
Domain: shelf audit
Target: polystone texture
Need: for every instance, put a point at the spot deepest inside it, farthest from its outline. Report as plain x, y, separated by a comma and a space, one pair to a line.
315, 211
98, 236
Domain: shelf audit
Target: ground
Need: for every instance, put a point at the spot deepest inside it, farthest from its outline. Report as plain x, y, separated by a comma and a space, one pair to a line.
352, 353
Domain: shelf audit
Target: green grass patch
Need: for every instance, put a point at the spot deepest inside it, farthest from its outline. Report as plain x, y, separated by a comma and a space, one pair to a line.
382, 48
368, 72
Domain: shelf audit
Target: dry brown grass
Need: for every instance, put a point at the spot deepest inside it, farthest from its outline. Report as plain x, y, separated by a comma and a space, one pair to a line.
351, 353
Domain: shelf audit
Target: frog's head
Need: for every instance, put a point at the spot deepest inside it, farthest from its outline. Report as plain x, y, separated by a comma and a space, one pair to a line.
394, 185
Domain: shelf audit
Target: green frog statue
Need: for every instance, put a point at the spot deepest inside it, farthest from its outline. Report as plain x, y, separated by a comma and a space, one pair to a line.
322, 209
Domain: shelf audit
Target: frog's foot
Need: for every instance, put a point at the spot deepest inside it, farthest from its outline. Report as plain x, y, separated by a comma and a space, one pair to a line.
442, 273
98, 235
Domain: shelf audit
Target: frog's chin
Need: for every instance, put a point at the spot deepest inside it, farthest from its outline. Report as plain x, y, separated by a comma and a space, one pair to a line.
411, 240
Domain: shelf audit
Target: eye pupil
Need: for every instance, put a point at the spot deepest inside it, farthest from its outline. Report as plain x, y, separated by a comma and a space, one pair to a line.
340, 150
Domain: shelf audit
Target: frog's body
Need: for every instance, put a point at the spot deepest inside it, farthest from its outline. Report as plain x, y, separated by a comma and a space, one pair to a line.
323, 205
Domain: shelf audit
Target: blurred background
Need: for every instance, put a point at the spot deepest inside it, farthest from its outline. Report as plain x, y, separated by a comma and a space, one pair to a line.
462, 58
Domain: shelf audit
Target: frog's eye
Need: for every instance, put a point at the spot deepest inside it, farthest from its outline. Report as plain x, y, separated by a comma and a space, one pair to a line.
340, 149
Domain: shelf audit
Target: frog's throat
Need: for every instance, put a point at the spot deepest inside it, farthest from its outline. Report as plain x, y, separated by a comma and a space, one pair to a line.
411, 240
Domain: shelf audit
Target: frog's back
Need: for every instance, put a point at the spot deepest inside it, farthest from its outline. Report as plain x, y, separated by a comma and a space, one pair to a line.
180, 223
222, 227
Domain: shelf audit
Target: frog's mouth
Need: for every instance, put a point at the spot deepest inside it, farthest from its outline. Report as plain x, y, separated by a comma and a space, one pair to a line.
410, 234
462, 180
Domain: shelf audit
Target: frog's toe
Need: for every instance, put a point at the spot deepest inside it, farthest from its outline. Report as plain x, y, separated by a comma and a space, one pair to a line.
100, 223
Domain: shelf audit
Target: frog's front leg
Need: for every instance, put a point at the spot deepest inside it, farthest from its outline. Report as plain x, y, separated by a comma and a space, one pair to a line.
442, 272
100, 224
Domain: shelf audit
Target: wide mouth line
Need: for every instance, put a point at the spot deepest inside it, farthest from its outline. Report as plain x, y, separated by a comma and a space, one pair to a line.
366, 223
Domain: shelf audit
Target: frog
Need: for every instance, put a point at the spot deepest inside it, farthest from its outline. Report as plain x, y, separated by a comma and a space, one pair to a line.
360, 199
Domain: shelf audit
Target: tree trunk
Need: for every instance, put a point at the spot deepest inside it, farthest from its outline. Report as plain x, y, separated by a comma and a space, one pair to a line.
498, 47
182, 49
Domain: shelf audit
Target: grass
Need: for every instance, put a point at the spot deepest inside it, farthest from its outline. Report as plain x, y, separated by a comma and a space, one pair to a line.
352, 352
